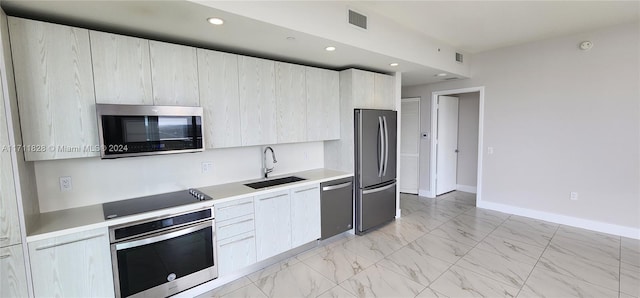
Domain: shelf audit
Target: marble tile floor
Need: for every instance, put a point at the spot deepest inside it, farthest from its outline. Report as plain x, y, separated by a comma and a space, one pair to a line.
446, 247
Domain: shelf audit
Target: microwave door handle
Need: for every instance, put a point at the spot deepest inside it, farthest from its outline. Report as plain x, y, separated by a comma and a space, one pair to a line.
164, 236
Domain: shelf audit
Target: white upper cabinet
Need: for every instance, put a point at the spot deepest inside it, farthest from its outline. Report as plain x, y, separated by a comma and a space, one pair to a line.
121, 69
291, 103
257, 101
363, 84
323, 104
385, 94
219, 98
174, 74
54, 82
9, 225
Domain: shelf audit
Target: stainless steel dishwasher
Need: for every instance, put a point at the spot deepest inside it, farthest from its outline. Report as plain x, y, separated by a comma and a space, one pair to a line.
336, 207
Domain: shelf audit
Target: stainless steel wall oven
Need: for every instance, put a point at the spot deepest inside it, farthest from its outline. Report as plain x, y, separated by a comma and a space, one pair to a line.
163, 256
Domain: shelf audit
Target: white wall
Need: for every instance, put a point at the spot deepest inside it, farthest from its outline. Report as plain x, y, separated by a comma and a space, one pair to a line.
560, 120
97, 181
467, 170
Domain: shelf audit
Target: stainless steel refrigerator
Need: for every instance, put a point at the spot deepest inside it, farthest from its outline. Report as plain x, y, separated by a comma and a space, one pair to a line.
375, 141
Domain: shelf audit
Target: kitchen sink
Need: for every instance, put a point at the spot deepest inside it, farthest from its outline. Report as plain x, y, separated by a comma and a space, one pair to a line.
274, 182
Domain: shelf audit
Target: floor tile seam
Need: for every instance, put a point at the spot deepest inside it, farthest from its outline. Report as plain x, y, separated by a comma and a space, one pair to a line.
402, 274
355, 253
589, 242
597, 262
327, 278
512, 239
255, 285
511, 259
489, 277
537, 262
581, 280
620, 270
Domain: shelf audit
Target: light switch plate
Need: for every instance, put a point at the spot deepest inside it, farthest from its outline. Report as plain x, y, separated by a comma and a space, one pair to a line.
207, 167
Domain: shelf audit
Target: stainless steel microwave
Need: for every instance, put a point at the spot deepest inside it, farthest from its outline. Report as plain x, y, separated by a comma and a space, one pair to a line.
137, 130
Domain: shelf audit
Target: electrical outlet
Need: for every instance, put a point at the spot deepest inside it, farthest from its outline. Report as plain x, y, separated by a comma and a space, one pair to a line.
490, 150
573, 196
206, 167
65, 183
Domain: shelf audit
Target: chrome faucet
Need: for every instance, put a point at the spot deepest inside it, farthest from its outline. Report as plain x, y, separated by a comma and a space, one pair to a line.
266, 170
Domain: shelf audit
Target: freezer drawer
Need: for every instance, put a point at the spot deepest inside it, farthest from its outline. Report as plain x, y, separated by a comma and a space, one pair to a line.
336, 207
376, 206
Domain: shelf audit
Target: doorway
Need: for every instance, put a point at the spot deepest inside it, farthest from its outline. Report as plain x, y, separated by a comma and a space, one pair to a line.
456, 146
410, 145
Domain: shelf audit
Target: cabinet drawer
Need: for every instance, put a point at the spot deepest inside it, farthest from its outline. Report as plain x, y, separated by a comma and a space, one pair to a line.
228, 210
236, 226
236, 253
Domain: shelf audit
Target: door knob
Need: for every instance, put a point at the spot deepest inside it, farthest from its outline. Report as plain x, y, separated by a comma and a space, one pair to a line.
456, 151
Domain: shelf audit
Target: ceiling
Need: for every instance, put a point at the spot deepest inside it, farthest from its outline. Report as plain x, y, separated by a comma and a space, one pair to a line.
477, 26
474, 26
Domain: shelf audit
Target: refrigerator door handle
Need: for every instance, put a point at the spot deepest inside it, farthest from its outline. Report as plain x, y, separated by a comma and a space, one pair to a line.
386, 145
379, 189
381, 134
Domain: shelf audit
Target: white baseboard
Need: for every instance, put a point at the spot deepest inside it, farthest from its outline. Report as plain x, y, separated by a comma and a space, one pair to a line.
426, 193
466, 188
563, 219
409, 191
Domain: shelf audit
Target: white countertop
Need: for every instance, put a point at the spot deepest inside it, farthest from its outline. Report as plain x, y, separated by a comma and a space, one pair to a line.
62, 222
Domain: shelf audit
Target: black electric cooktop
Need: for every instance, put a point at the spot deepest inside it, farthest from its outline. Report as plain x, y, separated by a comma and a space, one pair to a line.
151, 203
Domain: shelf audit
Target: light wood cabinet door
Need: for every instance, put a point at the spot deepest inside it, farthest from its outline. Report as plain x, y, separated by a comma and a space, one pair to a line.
291, 103
257, 101
174, 74
384, 95
236, 252
9, 224
273, 224
323, 104
54, 82
13, 278
121, 69
363, 89
76, 265
305, 215
219, 98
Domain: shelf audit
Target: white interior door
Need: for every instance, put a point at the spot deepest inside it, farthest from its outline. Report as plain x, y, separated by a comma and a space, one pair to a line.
447, 144
409, 145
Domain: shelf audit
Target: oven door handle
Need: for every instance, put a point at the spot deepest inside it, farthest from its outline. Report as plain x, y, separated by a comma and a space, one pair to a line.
164, 236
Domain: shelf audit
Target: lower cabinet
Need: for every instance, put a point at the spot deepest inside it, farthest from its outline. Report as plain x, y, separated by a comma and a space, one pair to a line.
76, 265
273, 224
282, 220
13, 279
236, 252
235, 234
305, 215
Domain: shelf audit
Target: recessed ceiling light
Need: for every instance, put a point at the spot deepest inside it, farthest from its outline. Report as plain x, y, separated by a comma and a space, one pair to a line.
394, 64
330, 49
291, 38
442, 74
215, 21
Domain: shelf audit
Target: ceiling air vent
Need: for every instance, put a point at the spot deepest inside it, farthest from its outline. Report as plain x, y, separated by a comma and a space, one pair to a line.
357, 19
449, 79
459, 57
